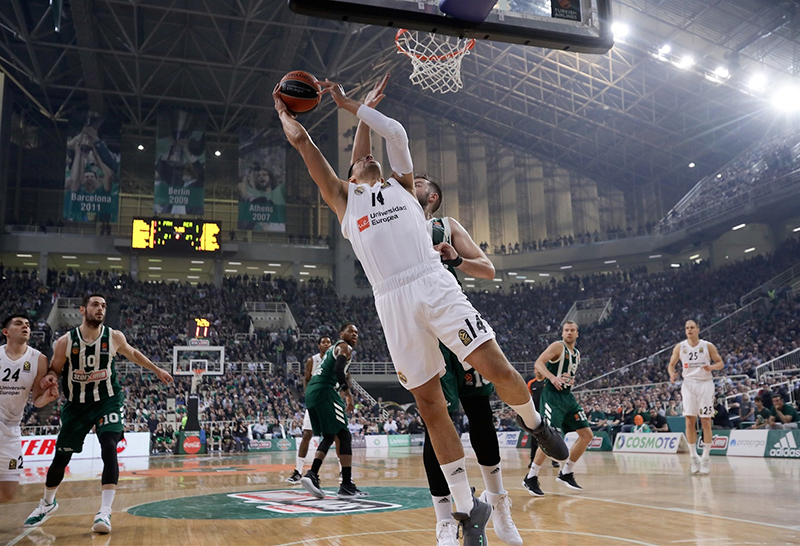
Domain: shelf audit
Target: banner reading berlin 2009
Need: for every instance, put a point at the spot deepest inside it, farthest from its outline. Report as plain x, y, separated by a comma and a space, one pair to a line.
91, 178
180, 170
262, 182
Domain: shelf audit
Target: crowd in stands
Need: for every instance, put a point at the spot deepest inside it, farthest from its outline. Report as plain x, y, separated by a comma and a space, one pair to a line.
730, 186
558, 241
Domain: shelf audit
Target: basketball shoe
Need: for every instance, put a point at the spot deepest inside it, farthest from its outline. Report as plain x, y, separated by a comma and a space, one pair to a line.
705, 466
504, 526
447, 533
569, 480
695, 467
102, 521
295, 477
473, 525
350, 491
532, 485
550, 441
311, 482
41, 513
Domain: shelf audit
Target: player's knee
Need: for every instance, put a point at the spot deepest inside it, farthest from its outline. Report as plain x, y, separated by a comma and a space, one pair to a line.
345, 442
585, 433
326, 442
307, 435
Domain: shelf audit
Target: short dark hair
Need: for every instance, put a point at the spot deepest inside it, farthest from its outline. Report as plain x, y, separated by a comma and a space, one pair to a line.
344, 326
437, 188
19, 314
85, 300
319, 340
350, 170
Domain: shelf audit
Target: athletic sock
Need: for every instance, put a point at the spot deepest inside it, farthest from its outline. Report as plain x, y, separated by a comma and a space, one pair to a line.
568, 466
347, 474
106, 498
50, 494
706, 450
301, 461
493, 478
456, 475
534, 471
443, 508
316, 465
528, 413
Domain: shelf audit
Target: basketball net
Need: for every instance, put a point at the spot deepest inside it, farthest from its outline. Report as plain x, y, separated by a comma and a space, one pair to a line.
197, 378
436, 60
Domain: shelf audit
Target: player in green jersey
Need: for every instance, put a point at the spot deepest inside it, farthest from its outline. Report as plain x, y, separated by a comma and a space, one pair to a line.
84, 360
328, 413
558, 364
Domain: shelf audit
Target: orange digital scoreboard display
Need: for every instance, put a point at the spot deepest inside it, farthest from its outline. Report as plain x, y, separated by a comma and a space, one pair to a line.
179, 236
198, 328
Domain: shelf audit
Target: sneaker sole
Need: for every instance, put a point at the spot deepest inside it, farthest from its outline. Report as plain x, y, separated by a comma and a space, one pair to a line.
32, 525
533, 493
101, 528
291, 481
579, 488
311, 488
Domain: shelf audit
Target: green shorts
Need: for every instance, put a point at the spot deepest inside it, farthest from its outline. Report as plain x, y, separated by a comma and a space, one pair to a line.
326, 410
458, 382
562, 410
77, 421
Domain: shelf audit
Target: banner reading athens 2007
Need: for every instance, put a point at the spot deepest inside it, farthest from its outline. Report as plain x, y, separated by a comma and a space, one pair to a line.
180, 172
262, 182
91, 177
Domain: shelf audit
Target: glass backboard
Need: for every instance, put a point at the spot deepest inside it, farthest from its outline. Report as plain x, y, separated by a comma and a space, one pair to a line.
582, 26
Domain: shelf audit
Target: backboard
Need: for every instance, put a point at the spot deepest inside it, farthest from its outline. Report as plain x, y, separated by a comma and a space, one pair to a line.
583, 26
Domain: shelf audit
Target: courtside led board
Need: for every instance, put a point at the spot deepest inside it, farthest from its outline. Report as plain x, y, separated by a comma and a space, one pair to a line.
582, 26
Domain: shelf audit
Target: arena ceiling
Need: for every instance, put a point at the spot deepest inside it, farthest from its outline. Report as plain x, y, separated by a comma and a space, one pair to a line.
629, 117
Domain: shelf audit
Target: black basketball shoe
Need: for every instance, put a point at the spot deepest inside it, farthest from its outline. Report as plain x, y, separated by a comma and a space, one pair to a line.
532, 485
569, 481
473, 525
350, 491
550, 441
294, 478
311, 482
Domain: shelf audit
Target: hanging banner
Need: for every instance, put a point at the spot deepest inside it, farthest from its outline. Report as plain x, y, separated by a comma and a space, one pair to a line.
91, 178
180, 163
262, 182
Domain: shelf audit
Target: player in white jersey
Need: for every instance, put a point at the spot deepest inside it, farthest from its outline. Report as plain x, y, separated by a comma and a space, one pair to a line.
417, 300
21, 370
313, 362
696, 356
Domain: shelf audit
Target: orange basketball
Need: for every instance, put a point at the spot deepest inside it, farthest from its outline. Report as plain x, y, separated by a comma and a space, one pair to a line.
300, 91
638, 420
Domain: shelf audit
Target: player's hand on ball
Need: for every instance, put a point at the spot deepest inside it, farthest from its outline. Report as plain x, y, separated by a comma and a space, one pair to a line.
280, 106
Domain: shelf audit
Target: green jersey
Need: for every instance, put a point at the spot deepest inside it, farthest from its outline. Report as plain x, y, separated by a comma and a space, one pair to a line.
568, 362
89, 373
325, 374
441, 233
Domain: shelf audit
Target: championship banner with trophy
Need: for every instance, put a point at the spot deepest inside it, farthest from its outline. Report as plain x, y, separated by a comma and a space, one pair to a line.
180, 172
91, 178
262, 182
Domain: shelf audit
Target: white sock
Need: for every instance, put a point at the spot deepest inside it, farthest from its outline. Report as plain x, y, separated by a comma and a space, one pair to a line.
443, 508
528, 413
456, 475
493, 478
106, 498
50, 494
534, 471
706, 450
299, 464
568, 466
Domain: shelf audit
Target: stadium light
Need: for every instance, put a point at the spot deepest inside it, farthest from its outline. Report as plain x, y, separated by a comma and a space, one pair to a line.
719, 175
692, 165
751, 249
786, 99
654, 256
687, 61
722, 73
610, 262
217, 153
140, 147
674, 265
694, 257
619, 30
758, 82
566, 267
740, 226
795, 230
664, 50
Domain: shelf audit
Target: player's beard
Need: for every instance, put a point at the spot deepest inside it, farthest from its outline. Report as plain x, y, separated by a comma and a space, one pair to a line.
93, 322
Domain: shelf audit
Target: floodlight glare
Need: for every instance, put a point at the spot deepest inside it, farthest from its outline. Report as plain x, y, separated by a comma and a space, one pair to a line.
664, 49
758, 82
722, 73
692, 165
686, 61
620, 30
140, 147
785, 99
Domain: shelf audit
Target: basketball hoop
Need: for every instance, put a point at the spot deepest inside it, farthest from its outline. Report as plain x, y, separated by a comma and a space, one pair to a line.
436, 60
197, 378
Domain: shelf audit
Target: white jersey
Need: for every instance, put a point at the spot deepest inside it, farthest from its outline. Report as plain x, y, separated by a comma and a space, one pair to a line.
316, 360
387, 228
693, 359
16, 382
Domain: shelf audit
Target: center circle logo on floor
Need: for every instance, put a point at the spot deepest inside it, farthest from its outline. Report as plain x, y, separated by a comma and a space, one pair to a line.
284, 503
191, 444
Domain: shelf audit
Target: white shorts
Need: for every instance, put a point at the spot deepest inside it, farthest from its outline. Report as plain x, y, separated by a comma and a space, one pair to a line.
10, 453
698, 398
307, 422
419, 307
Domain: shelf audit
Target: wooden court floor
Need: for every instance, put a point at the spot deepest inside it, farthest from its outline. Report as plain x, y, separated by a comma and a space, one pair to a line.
243, 500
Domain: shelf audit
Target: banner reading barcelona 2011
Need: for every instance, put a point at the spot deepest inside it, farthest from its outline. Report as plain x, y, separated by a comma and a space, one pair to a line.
262, 182
91, 177
180, 172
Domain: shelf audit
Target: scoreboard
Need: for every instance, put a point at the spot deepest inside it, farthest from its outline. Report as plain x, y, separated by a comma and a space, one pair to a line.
169, 235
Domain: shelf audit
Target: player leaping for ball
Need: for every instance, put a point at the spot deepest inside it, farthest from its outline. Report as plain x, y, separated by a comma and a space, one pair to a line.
418, 301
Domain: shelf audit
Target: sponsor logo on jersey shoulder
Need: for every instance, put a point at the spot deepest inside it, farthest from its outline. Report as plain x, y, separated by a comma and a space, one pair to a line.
363, 223
785, 447
12, 464
359, 190
26, 366
385, 184
464, 336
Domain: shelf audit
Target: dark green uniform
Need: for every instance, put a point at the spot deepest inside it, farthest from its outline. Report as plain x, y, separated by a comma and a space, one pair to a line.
456, 382
560, 406
90, 385
326, 409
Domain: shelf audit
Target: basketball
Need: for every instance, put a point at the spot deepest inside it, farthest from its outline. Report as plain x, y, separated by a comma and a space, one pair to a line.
300, 91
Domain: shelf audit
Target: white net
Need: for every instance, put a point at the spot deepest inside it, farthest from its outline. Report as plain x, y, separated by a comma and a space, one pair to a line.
436, 60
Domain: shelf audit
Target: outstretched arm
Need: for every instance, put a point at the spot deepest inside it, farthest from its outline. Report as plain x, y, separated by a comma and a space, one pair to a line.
362, 145
122, 347
333, 190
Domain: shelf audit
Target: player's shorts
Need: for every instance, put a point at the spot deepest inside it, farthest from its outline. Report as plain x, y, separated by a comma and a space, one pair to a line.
419, 307
307, 421
563, 411
326, 410
698, 398
458, 382
10, 453
77, 421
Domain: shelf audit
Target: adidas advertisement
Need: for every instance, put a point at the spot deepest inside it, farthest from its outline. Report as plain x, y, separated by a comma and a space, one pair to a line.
783, 444
747, 443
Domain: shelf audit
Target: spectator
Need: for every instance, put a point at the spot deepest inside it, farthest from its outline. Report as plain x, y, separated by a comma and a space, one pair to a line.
747, 410
658, 422
390, 426
783, 416
638, 425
